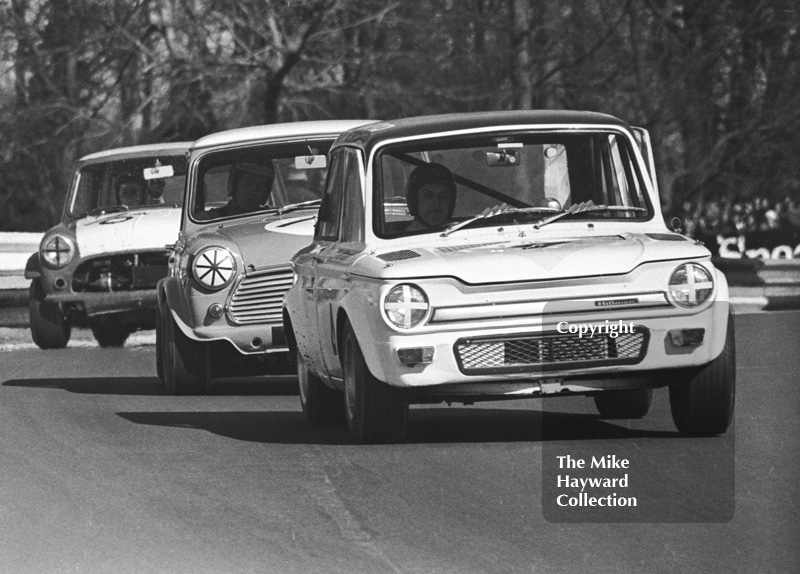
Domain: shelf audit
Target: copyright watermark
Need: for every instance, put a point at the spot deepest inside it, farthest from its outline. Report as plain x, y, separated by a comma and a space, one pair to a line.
612, 329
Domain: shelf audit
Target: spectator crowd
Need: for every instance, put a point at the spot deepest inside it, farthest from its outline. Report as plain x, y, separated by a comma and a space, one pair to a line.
756, 223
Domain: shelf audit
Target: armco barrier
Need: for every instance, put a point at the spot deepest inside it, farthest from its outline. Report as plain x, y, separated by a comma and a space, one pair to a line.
768, 283
15, 249
774, 283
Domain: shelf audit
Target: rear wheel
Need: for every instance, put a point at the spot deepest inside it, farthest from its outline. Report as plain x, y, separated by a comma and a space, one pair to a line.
624, 404
185, 361
321, 405
110, 333
375, 412
702, 405
50, 329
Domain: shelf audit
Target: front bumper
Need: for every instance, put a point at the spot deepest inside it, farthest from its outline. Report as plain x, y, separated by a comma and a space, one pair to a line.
96, 303
246, 339
536, 356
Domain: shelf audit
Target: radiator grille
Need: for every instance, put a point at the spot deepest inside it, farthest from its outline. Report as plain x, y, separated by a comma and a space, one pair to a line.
258, 298
548, 351
121, 272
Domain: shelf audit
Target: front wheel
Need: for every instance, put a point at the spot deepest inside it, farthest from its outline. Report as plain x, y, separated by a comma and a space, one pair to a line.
321, 405
50, 329
624, 404
702, 405
375, 411
186, 364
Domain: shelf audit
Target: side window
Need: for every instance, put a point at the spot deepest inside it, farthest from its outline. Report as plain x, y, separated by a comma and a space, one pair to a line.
330, 210
353, 212
627, 188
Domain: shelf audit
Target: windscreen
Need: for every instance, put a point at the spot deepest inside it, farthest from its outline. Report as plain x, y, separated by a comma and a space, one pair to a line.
118, 185
428, 186
259, 179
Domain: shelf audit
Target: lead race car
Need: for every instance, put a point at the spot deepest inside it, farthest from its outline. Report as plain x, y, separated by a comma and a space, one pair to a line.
251, 203
503, 255
99, 266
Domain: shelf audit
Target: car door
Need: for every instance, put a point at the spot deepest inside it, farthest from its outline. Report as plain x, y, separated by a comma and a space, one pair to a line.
340, 240
327, 269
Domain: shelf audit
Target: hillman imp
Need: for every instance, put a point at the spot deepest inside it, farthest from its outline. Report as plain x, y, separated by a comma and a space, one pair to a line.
457, 256
251, 202
99, 266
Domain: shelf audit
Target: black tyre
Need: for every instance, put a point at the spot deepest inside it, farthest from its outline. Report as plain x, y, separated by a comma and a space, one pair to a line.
186, 363
110, 333
160, 342
702, 405
375, 411
321, 405
624, 404
50, 329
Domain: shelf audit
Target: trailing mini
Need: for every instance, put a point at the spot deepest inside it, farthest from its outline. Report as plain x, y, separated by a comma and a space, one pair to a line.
98, 267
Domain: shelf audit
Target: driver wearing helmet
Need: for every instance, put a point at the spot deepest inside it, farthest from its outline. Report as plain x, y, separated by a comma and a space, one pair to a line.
430, 196
249, 187
130, 191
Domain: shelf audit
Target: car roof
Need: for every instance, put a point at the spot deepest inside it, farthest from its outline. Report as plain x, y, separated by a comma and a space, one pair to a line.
368, 136
289, 130
137, 151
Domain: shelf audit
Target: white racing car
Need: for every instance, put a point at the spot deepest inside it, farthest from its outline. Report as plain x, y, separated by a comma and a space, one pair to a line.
99, 266
503, 255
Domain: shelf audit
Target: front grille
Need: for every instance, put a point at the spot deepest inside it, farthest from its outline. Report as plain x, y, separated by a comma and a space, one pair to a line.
122, 272
259, 297
549, 352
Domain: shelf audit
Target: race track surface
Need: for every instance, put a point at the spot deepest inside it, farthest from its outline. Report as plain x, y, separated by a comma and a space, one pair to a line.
102, 472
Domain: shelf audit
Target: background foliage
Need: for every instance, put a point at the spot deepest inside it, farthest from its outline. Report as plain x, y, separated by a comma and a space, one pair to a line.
716, 83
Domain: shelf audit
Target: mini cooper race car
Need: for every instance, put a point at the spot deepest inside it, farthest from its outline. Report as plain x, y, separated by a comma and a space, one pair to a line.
252, 200
502, 255
99, 266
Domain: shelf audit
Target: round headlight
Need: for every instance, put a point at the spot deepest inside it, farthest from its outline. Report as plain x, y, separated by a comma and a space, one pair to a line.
214, 267
406, 306
57, 251
690, 285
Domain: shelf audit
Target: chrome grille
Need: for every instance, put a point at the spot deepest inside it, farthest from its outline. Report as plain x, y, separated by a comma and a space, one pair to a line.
121, 272
549, 351
258, 298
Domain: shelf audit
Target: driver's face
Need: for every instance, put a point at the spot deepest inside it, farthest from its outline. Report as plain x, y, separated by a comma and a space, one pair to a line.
252, 191
433, 203
130, 194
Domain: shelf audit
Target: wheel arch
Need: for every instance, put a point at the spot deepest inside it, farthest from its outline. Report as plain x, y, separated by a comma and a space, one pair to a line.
288, 331
342, 319
33, 267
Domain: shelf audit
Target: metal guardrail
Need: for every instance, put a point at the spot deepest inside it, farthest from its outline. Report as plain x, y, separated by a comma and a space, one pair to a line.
767, 283
15, 249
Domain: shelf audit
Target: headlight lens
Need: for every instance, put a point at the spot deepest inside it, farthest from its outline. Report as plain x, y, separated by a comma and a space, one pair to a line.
406, 306
690, 285
57, 251
214, 268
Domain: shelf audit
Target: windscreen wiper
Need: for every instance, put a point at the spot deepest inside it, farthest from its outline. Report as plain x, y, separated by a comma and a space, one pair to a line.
583, 207
495, 211
108, 209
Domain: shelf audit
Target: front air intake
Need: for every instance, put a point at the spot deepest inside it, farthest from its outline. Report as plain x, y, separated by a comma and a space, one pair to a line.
258, 298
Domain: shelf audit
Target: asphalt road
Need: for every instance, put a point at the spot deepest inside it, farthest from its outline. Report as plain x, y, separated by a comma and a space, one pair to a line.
101, 472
